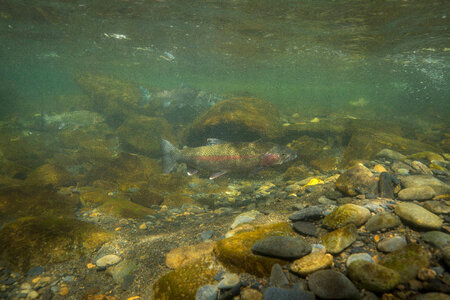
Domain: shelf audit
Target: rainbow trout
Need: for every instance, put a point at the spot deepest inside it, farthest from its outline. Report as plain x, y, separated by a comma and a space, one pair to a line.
221, 157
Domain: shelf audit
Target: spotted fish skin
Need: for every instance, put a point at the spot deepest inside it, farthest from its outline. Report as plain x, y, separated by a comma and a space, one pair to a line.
225, 157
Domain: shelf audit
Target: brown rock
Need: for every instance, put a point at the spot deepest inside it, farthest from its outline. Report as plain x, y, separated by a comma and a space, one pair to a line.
357, 180
182, 256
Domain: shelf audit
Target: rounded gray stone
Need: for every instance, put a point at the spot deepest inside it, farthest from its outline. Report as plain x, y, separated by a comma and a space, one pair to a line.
207, 292
390, 244
436, 238
382, 221
359, 256
329, 284
416, 193
418, 216
282, 247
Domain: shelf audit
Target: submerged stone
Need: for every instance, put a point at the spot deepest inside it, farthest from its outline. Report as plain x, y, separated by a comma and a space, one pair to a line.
381, 221
416, 193
123, 208
439, 187
329, 284
347, 214
312, 262
339, 239
373, 277
418, 216
284, 247
407, 261
357, 180
36, 241
386, 185
235, 252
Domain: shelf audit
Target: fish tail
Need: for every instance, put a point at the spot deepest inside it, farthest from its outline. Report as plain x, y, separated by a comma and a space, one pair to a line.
171, 155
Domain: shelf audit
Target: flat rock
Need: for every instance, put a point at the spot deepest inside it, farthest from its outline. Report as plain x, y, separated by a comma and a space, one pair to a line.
418, 216
416, 193
439, 187
407, 261
436, 238
391, 244
308, 213
329, 284
359, 256
339, 239
229, 281
437, 207
207, 292
107, 260
305, 228
245, 217
357, 180
432, 296
184, 255
390, 154
282, 247
381, 221
277, 277
311, 263
250, 294
287, 294
347, 214
373, 277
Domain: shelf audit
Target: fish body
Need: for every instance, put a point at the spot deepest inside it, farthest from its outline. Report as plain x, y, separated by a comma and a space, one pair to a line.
222, 157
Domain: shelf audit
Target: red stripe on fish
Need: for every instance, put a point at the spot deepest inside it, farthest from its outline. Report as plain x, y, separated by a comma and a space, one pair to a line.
222, 157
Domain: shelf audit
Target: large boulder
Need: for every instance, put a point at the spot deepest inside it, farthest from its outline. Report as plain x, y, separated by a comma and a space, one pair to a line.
236, 119
357, 180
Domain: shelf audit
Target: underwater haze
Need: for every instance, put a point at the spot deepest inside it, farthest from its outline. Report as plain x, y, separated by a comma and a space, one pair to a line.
137, 135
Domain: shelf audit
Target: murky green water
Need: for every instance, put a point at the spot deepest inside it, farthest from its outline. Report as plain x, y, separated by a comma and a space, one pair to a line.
301, 55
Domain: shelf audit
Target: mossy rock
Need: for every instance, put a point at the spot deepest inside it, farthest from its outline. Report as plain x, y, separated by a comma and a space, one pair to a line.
236, 119
124, 208
373, 277
142, 134
183, 283
25, 201
35, 241
407, 261
357, 180
346, 214
336, 241
296, 172
235, 252
112, 97
177, 200
308, 148
90, 196
49, 174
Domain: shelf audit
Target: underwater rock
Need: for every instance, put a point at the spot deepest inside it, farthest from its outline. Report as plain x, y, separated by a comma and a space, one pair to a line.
245, 217
382, 221
284, 247
418, 216
277, 277
114, 98
35, 241
235, 252
390, 244
330, 284
390, 154
436, 238
24, 201
365, 142
286, 294
124, 208
407, 261
386, 185
183, 282
122, 272
439, 187
373, 277
325, 164
437, 207
142, 134
296, 172
182, 256
147, 197
49, 174
311, 263
308, 148
416, 193
347, 214
357, 180
339, 239
235, 119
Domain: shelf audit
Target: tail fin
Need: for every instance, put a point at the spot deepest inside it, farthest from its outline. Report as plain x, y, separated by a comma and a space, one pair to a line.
170, 156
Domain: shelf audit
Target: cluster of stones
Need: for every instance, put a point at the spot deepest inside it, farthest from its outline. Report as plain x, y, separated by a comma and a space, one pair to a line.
390, 237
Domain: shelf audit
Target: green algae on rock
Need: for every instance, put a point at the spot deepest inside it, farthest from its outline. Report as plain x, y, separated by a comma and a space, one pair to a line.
407, 261
373, 277
357, 180
339, 239
24, 200
49, 174
346, 214
246, 118
235, 252
418, 216
142, 134
381, 221
183, 282
124, 208
35, 241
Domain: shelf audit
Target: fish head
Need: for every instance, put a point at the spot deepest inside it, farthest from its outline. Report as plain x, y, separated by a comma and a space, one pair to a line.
278, 155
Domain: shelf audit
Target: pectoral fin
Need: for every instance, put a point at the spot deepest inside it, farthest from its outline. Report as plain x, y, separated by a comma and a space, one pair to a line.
218, 174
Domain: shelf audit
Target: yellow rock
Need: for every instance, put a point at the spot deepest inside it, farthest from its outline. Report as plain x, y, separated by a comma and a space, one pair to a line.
64, 291
185, 255
143, 226
315, 120
90, 265
379, 168
314, 181
311, 263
